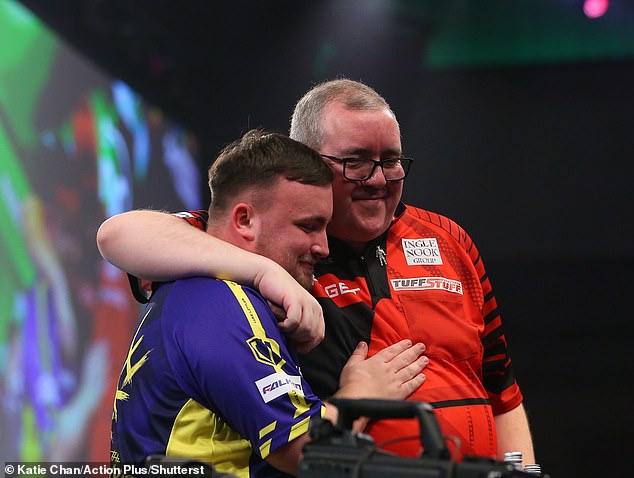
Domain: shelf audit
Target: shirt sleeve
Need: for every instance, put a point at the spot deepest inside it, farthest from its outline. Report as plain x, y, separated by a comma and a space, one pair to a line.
141, 288
497, 368
232, 358
198, 218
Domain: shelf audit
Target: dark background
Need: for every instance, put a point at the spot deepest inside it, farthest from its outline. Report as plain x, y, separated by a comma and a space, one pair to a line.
520, 119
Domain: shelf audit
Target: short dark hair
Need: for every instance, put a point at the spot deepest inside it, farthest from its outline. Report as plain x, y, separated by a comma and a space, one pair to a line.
259, 158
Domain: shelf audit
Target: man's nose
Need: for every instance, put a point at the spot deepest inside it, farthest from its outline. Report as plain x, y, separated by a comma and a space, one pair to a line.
377, 179
320, 247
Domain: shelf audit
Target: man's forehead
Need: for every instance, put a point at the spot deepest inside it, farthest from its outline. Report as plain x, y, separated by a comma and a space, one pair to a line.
315, 204
309, 196
350, 146
365, 151
362, 131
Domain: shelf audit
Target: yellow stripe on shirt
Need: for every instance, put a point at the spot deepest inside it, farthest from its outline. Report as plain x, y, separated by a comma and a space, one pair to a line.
200, 434
265, 350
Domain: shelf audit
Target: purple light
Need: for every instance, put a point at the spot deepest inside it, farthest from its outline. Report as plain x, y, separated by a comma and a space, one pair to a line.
595, 8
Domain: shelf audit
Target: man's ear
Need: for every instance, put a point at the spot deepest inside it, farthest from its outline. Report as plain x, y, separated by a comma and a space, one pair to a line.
242, 220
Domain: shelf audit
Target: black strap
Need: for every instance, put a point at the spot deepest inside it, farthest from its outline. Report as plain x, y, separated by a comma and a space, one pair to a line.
137, 291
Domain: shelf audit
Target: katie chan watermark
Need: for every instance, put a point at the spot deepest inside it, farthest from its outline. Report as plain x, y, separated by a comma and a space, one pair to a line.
101, 470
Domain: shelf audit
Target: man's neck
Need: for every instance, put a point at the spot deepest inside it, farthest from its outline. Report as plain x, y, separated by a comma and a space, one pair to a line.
357, 247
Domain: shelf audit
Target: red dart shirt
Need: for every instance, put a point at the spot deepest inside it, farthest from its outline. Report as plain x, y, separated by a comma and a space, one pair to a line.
423, 279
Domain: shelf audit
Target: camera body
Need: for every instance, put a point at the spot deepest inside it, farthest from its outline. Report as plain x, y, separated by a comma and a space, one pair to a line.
335, 451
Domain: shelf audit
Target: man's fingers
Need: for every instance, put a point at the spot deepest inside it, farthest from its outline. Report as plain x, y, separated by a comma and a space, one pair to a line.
407, 356
359, 353
280, 313
410, 386
288, 325
412, 369
305, 327
389, 353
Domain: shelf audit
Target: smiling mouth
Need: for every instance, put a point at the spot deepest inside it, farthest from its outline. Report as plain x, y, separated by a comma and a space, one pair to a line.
370, 198
370, 195
370, 201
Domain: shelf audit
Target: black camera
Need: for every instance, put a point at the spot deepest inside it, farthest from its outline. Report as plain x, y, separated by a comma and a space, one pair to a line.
335, 451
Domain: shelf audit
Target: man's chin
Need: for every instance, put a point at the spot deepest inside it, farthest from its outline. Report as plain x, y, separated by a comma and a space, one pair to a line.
306, 281
370, 230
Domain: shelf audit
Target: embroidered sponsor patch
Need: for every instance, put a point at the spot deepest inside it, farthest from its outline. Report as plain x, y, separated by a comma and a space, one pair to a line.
422, 251
277, 384
339, 288
428, 283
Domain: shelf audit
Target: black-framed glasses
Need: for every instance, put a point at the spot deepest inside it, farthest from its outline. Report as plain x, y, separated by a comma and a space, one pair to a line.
362, 169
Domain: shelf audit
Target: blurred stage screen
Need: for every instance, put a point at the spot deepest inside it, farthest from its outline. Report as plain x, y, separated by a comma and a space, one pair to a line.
76, 146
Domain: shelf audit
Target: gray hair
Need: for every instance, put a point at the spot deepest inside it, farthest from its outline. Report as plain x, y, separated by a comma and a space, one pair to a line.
306, 121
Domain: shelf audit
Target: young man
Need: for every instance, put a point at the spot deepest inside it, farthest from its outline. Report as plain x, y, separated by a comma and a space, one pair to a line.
394, 272
209, 375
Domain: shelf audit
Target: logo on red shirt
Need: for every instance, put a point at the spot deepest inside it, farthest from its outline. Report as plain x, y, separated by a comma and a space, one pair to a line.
428, 283
422, 251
